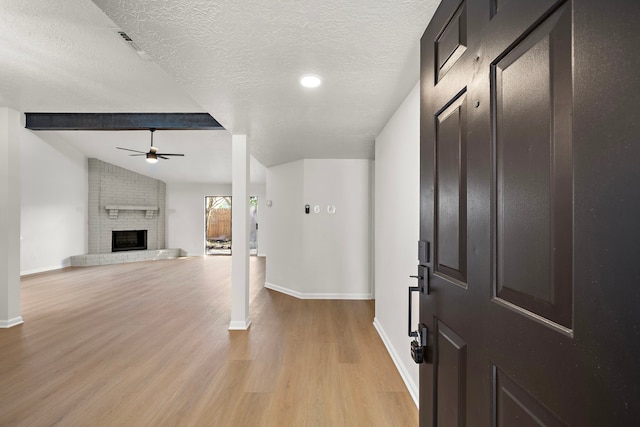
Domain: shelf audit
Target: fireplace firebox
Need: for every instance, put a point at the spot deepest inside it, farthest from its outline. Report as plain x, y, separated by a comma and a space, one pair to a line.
128, 240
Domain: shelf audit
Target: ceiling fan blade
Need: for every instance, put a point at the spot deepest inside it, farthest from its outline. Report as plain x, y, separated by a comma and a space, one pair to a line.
127, 149
143, 154
162, 157
168, 154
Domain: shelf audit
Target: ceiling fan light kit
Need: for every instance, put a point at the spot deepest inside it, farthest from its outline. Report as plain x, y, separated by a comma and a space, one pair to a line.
152, 156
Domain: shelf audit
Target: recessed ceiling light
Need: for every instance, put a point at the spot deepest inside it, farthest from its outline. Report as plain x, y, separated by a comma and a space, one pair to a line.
310, 80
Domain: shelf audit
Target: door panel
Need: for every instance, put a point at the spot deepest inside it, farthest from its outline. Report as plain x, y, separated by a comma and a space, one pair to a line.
515, 407
451, 191
451, 376
451, 43
531, 93
529, 194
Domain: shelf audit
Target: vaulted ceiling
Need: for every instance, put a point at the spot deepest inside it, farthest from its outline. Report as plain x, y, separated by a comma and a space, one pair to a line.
237, 60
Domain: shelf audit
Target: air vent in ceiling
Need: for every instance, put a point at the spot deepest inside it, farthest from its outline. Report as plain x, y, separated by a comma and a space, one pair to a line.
129, 41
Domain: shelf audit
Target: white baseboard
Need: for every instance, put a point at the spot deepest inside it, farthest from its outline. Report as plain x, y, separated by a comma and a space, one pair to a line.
4, 324
408, 381
302, 295
239, 325
42, 270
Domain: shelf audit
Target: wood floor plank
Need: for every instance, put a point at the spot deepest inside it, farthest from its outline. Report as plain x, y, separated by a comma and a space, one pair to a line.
147, 344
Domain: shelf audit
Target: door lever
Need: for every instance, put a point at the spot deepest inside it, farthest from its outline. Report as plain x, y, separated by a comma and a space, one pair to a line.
413, 289
421, 276
419, 343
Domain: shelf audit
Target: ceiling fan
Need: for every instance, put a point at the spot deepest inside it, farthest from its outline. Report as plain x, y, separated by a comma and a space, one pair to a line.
152, 155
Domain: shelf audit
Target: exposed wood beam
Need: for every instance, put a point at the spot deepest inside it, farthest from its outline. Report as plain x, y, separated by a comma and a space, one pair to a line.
121, 121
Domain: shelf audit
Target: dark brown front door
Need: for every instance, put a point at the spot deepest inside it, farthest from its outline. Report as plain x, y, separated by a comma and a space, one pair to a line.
530, 177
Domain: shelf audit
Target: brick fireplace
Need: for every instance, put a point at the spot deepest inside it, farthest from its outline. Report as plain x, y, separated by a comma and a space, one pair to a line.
122, 200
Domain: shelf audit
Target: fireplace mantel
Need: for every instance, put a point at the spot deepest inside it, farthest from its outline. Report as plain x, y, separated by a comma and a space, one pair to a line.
114, 209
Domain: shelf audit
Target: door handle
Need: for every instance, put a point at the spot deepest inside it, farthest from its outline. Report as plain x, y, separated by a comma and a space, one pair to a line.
419, 349
411, 290
419, 343
423, 278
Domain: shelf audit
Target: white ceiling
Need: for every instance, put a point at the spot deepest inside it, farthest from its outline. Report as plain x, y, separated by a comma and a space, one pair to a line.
207, 154
237, 60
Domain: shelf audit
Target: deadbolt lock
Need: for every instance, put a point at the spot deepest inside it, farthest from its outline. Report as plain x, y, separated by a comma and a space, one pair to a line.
419, 343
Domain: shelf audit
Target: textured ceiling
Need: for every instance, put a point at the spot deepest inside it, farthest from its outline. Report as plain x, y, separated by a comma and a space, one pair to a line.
237, 60
64, 56
240, 60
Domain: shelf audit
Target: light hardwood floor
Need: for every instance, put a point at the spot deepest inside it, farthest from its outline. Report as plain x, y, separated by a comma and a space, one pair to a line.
146, 344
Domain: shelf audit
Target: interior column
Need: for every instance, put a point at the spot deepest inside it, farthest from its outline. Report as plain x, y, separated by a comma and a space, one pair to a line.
10, 126
240, 233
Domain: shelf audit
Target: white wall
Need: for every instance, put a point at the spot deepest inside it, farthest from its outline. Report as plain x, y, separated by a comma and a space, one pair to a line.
54, 197
284, 248
185, 214
336, 247
397, 220
320, 255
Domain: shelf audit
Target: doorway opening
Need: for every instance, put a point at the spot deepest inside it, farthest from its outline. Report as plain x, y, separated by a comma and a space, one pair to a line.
218, 225
253, 225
